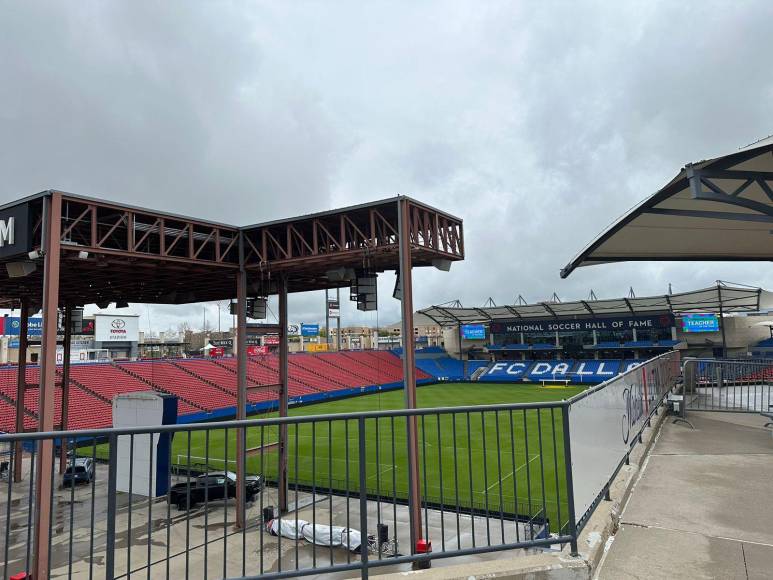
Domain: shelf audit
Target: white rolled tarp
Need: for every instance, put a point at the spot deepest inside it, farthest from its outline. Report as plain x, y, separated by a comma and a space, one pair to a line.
319, 534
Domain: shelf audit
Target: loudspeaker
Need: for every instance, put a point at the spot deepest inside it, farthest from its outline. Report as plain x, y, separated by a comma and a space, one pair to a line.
20, 269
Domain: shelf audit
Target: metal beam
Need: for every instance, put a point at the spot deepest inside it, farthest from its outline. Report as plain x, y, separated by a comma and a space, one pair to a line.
241, 385
409, 376
283, 393
45, 457
65, 386
21, 386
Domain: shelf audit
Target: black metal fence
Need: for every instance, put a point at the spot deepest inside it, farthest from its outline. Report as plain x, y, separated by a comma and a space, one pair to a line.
159, 501
740, 385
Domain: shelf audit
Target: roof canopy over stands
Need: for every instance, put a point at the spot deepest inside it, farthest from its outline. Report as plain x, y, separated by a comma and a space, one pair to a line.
724, 297
718, 209
112, 251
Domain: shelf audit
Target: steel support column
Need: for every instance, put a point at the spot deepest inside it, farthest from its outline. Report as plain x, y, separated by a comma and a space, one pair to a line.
21, 386
722, 321
66, 347
44, 466
283, 394
241, 382
409, 370
338, 321
327, 318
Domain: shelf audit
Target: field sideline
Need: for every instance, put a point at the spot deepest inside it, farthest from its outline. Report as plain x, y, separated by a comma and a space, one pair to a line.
479, 472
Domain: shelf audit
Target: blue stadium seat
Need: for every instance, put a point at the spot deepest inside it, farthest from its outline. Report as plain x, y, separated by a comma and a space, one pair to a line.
639, 344
595, 371
629, 364
550, 369
507, 371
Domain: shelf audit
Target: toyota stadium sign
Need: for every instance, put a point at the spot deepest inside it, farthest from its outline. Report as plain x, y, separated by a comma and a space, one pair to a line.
115, 328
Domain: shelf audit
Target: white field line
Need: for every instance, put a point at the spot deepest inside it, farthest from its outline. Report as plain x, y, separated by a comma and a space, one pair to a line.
511, 473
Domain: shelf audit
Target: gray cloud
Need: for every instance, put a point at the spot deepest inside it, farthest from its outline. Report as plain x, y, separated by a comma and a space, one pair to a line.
538, 123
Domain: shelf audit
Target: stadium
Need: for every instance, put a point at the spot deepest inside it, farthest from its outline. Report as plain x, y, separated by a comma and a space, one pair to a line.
509, 437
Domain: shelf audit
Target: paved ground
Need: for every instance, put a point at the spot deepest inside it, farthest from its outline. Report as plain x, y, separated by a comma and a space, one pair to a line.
158, 533
702, 507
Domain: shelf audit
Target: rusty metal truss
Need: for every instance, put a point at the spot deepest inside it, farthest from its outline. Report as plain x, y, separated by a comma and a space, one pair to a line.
102, 228
366, 235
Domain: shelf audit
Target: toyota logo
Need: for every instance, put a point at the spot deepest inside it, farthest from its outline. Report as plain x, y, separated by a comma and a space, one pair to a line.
118, 323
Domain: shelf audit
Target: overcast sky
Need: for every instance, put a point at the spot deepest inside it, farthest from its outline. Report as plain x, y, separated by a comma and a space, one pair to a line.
538, 123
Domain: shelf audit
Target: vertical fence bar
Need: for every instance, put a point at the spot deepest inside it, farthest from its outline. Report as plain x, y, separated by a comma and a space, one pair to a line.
30, 504
12, 456
72, 505
150, 502
569, 481
363, 499
112, 484
92, 515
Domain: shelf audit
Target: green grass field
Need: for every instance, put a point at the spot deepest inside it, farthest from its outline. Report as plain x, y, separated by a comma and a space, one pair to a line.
499, 459
505, 460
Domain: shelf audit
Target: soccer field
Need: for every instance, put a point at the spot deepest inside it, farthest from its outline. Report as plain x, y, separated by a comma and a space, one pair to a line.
509, 461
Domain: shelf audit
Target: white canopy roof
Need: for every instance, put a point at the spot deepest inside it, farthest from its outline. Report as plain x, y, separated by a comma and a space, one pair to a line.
728, 298
719, 209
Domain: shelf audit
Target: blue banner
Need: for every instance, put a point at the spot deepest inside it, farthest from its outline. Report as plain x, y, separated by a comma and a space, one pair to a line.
13, 324
541, 326
309, 329
700, 323
473, 332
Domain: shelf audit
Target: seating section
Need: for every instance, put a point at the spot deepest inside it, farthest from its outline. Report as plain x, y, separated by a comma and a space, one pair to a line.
575, 371
208, 385
595, 371
188, 388
223, 377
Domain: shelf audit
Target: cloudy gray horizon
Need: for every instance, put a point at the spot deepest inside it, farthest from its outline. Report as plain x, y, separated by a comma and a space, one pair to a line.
538, 123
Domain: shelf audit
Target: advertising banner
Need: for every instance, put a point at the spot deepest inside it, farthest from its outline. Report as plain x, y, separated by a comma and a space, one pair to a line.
257, 350
271, 339
13, 324
333, 309
309, 329
473, 332
222, 342
604, 424
116, 328
540, 326
700, 323
293, 329
322, 347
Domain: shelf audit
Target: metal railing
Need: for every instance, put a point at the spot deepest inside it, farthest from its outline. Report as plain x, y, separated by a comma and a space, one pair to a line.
608, 421
158, 501
736, 385
492, 478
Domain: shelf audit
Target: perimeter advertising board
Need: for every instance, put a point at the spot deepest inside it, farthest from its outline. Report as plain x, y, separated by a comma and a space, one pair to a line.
604, 424
116, 328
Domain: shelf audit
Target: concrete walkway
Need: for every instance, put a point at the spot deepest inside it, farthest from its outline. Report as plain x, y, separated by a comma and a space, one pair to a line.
703, 506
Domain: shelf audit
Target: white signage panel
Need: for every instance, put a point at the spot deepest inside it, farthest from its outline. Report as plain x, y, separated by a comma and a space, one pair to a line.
116, 328
604, 424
